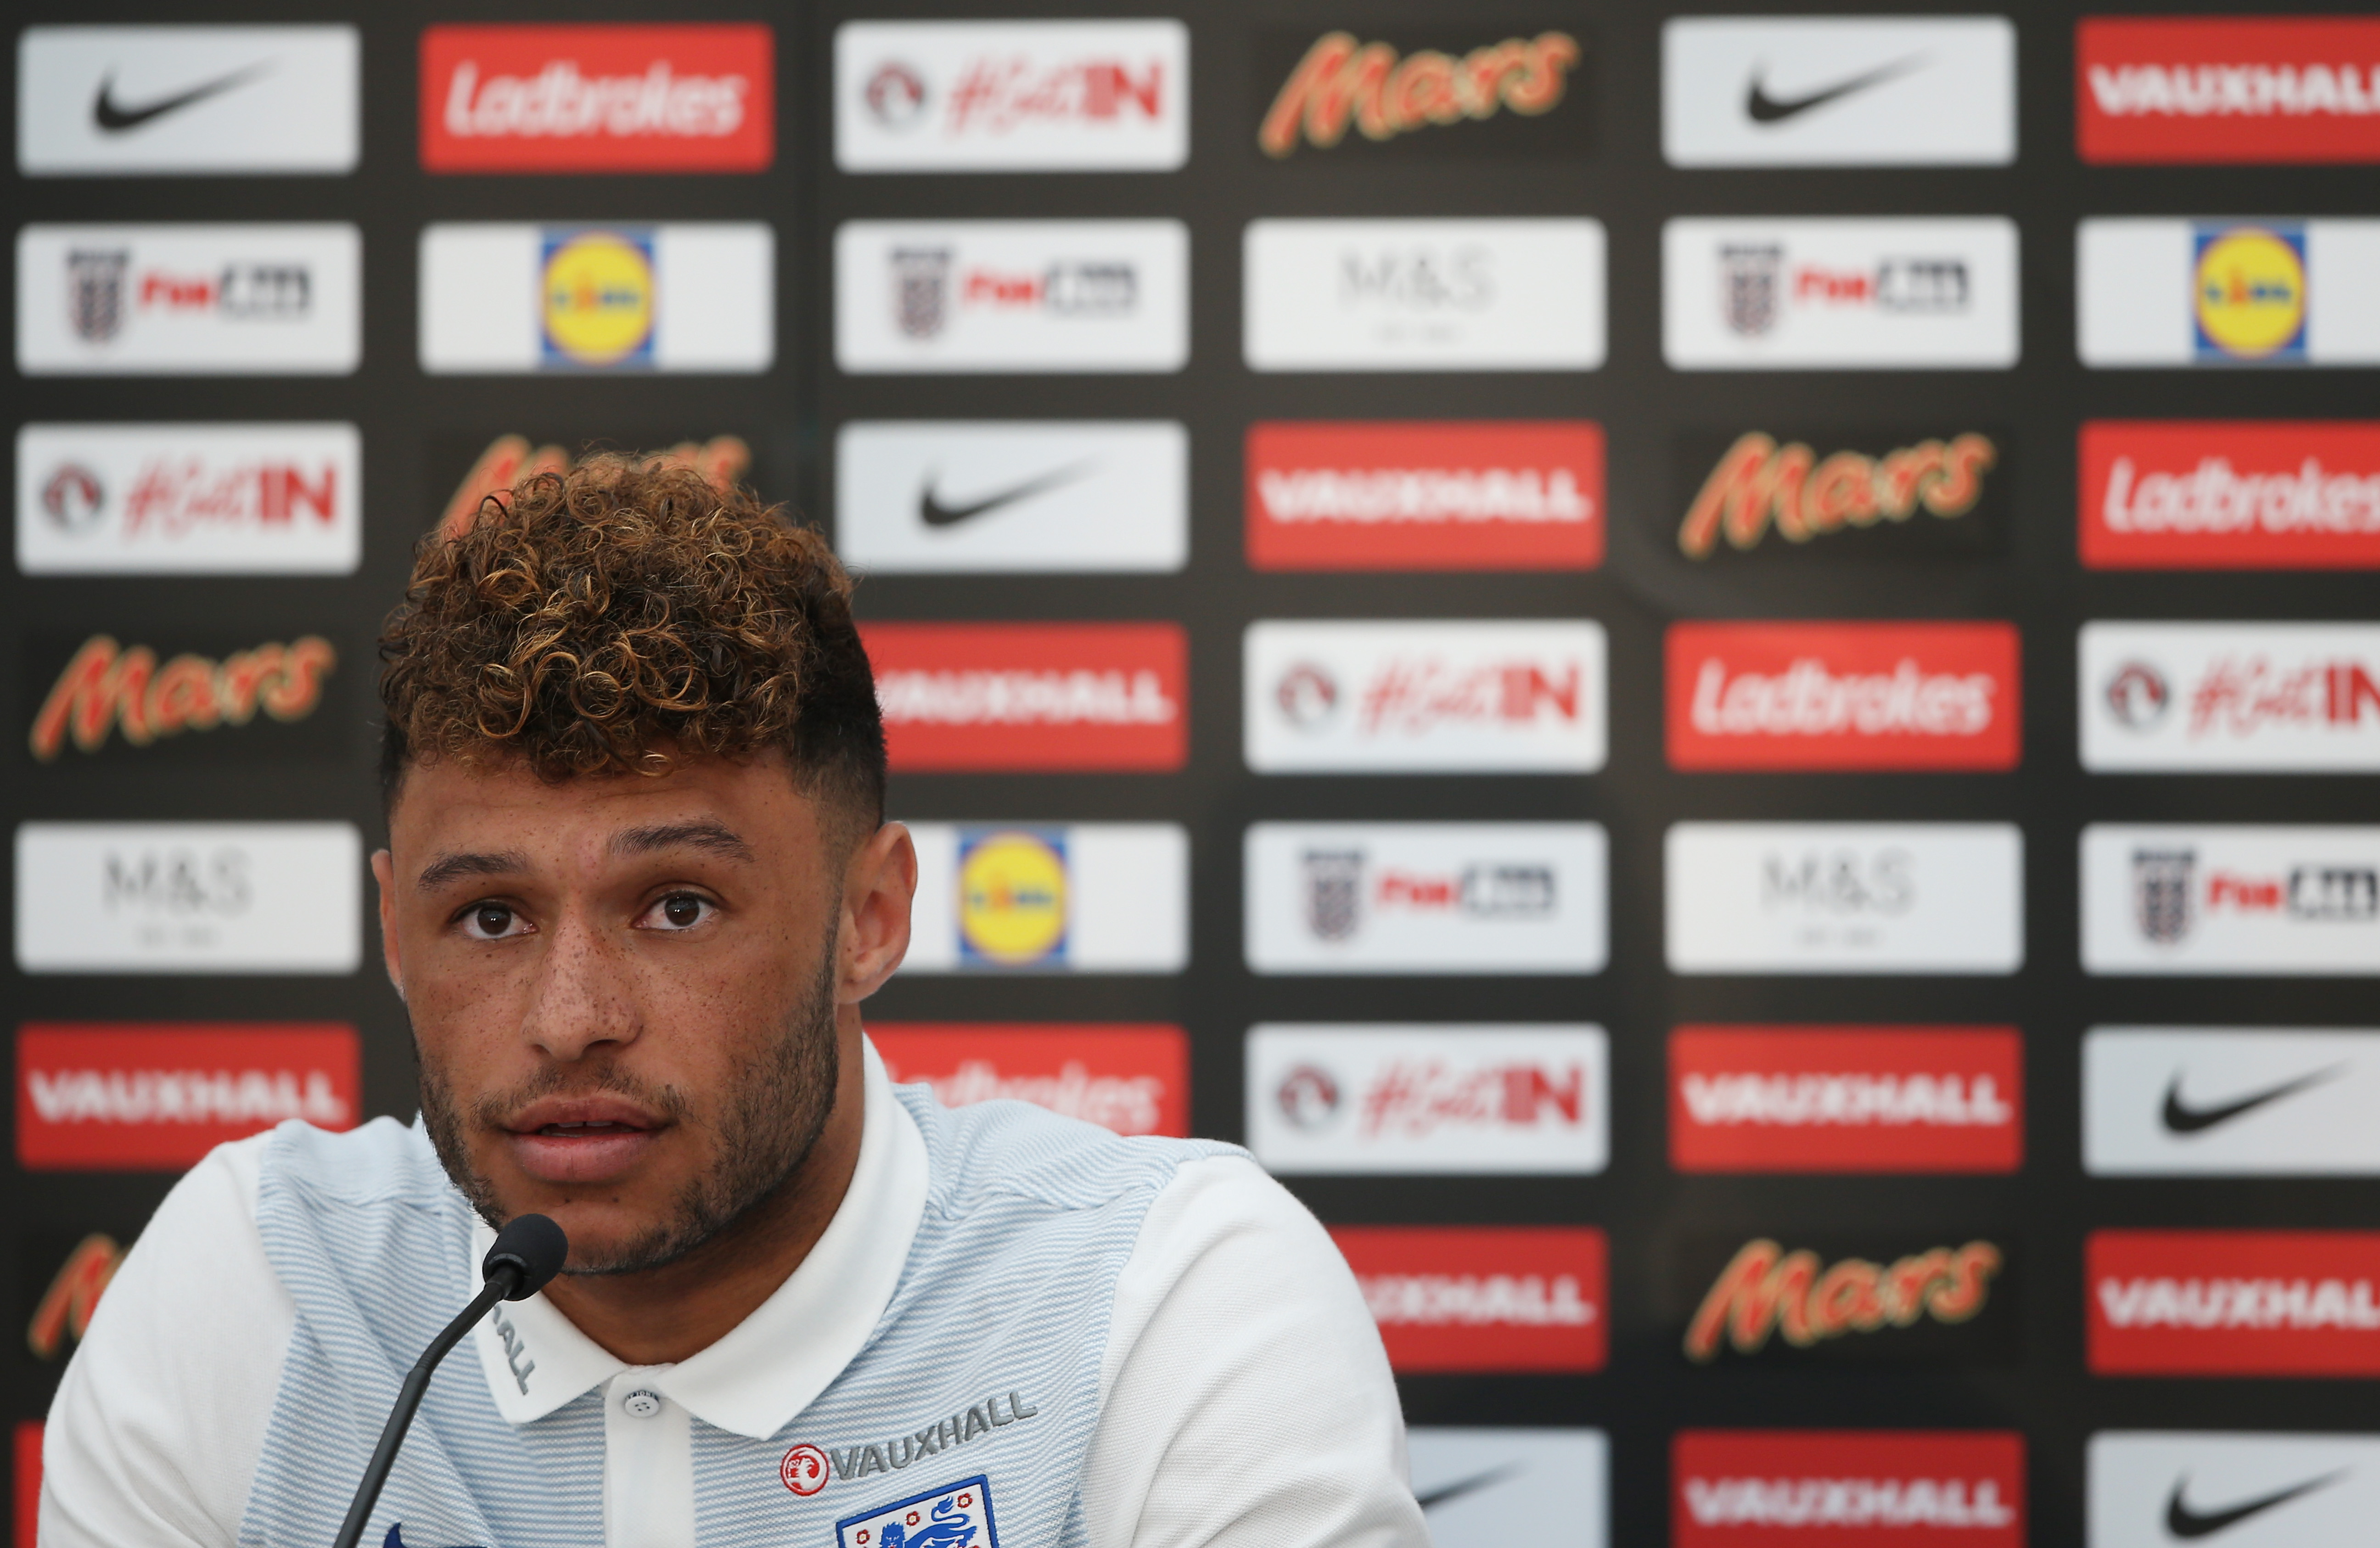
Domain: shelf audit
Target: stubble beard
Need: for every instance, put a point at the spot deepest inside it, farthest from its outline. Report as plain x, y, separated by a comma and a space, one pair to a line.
774, 1108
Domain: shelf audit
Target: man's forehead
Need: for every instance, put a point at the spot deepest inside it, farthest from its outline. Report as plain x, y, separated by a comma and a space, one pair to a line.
730, 809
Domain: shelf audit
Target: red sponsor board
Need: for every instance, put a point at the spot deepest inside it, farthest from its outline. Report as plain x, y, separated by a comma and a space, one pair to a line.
1846, 1099
2229, 494
109, 1096
1832, 1486
1509, 495
1843, 696
2198, 90
2233, 1303
1107, 698
29, 1482
679, 98
1133, 1078
1483, 1297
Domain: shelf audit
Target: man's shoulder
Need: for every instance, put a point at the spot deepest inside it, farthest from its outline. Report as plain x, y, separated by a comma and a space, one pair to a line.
1016, 1149
377, 1164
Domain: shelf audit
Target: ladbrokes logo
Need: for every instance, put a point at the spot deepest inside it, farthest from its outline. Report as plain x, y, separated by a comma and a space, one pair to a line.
1920, 494
2234, 1303
1843, 696
1483, 1297
1031, 696
1846, 1099
1516, 96
106, 688
1389, 1099
1424, 496
2230, 494
1768, 1301
2276, 698
155, 1098
1135, 1080
687, 98
2215, 89
1741, 1486
1416, 696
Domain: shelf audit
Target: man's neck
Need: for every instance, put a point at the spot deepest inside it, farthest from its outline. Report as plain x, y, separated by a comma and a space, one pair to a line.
666, 1314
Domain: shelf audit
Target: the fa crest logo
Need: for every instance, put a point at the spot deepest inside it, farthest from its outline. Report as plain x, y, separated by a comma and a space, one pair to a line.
2161, 892
955, 1516
1334, 892
1748, 286
921, 282
95, 293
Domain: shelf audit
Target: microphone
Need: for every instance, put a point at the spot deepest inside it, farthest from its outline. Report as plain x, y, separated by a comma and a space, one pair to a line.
528, 1252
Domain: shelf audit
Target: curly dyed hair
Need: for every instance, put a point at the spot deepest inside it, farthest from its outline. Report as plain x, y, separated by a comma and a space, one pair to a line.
594, 621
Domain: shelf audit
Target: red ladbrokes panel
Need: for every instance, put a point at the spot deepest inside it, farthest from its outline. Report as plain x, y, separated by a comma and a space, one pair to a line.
2233, 1303
1750, 1487
1843, 696
1846, 1099
1131, 1078
1512, 495
1483, 1297
28, 1481
1032, 698
690, 98
157, 1097
2203, 90
2240, 494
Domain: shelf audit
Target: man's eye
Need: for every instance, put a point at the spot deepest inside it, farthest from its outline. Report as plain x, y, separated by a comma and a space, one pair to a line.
493, 922
679, 911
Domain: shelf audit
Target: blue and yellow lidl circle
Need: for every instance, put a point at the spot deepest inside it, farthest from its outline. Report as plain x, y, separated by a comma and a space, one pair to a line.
1012, 897
598, 291
2251, 293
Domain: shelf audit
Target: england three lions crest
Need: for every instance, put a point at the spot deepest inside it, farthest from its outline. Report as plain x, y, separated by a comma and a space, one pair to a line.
955, 1516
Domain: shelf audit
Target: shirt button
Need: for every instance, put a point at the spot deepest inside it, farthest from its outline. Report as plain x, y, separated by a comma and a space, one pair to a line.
641, 1403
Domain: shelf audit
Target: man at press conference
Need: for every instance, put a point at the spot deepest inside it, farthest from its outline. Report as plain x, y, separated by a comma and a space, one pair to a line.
637, 884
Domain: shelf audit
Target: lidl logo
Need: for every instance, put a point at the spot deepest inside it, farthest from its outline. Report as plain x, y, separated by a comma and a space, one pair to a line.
598, 298
1012, 897
2249, 291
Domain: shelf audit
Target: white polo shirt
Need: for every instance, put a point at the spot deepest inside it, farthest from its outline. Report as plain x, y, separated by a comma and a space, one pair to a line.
1243, 1396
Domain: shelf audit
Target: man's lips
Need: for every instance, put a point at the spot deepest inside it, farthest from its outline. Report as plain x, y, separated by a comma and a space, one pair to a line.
568, 1140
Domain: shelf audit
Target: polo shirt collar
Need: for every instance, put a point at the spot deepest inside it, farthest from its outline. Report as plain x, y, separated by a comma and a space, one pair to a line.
772, 1364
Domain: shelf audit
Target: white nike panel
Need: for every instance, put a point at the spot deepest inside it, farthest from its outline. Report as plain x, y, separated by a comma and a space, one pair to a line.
102, 101
2231, 1102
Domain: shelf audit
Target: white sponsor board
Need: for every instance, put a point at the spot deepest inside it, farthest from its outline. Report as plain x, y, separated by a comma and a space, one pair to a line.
1413, 696
184, 499
1425, 898
975, 496
190, 897
1839, 294
2241, 697
1423, 294
96, 100
1012, 96
1033, 897
1473, 1483
1011, 295
1388, 1099
2229, 1102
190, 300
2279, 900
504, 296
2142, 296
1832, 90
2155, 1488
1845, 897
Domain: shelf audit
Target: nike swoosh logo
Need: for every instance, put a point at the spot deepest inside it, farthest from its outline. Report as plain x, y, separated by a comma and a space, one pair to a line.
2182, 1119
1456, 1491
1766, 109
2185, 1523
933, 512
115, 118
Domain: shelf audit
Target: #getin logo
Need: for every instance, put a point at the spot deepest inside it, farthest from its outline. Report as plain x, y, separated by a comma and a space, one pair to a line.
596, 295
1014, 897
2249, 292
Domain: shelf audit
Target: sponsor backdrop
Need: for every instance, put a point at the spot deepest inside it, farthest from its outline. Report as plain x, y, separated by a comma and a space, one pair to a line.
1715, 676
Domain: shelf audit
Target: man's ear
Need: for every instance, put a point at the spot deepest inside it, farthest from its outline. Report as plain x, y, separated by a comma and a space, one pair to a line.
384, 873
878, 885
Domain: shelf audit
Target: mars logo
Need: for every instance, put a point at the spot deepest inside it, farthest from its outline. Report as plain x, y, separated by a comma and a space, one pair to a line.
1012, 897
1756, 483
2249, 291
599, 296
106, 688
1809, 1305
1342, 82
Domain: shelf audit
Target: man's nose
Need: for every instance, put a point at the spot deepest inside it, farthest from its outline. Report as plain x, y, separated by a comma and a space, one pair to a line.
582, 996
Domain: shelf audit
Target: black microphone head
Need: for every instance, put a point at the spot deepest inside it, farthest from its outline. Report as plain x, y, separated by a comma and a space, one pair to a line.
533, 1247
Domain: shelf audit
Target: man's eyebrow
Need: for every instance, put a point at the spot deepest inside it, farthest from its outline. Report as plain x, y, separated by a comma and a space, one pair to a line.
453, 867
715, 837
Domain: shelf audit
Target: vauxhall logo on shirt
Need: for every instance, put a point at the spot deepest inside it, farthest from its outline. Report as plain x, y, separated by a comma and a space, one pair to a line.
859, 1459
1449, 93
2269, 697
